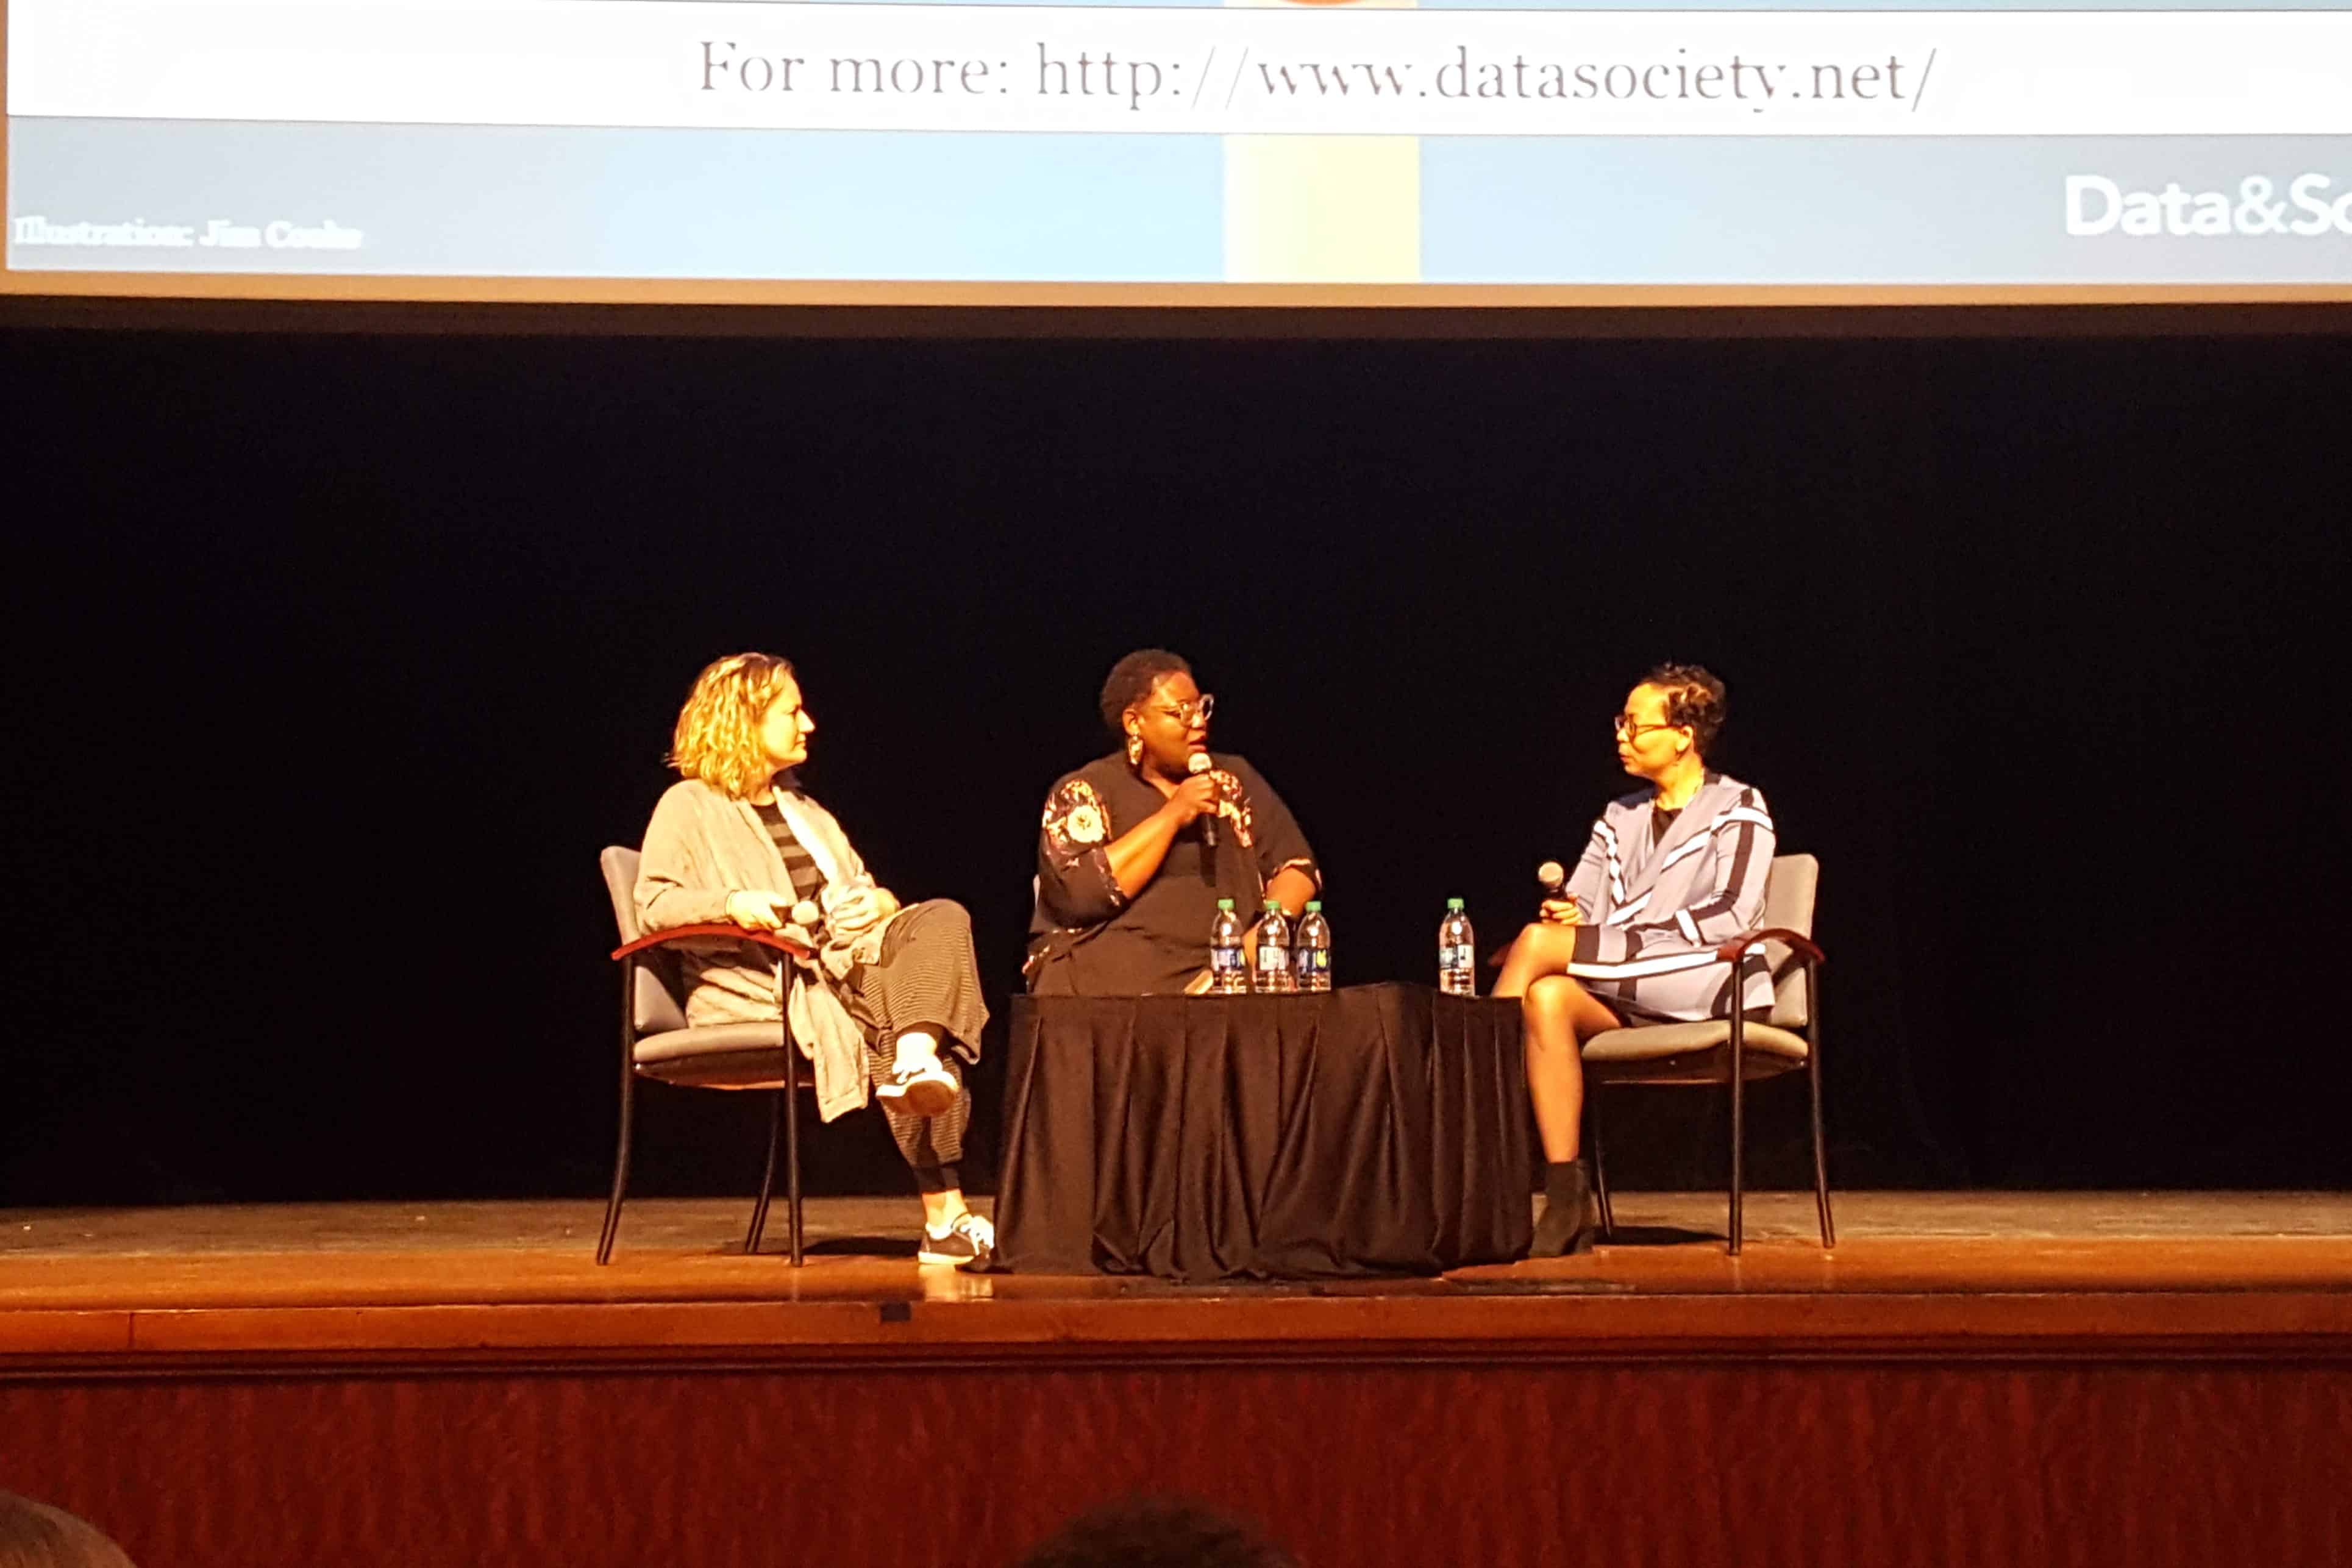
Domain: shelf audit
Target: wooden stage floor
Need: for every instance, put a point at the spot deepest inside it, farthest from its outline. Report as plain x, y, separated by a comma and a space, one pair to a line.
2003, 1273
1969, 1381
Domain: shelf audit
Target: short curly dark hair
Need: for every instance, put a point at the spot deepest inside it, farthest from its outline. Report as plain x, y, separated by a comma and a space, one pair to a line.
1693, 697
1131, 679
1156, 1532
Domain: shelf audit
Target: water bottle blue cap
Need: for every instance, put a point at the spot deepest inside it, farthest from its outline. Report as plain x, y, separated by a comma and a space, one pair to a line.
1224, 903
1314, 906
1452, 903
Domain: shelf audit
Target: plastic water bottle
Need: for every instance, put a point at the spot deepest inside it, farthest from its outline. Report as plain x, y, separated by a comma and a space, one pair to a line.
1457, 973
1312, 944
1274, 972
1228, 977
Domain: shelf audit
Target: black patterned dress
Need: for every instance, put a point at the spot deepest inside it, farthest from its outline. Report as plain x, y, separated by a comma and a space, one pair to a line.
1088, 938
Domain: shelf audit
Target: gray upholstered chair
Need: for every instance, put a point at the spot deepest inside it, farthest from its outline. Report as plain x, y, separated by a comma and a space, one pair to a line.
657, 1043
1733, 1051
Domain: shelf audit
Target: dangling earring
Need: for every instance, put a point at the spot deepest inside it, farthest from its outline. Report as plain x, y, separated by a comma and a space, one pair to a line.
1134, 748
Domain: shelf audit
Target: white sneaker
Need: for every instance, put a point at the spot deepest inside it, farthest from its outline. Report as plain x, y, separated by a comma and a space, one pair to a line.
925, 1090
969, 1240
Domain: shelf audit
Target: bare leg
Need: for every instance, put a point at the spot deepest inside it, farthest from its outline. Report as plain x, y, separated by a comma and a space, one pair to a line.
1541, 949
1559, 1015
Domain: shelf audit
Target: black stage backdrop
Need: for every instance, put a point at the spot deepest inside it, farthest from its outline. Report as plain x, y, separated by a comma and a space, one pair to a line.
339, 657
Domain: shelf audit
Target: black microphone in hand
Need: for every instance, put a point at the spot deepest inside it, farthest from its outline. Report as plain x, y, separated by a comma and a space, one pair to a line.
1554, 878
1201, 764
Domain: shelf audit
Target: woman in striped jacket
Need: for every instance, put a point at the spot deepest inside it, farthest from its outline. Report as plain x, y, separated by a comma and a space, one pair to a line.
1671, 873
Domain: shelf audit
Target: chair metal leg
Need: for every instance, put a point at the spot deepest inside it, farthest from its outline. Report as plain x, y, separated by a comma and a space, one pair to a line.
1599, 1167
628, 1111
1738, 1099
792, 1153
785, 980
1813, 1086
767, 1176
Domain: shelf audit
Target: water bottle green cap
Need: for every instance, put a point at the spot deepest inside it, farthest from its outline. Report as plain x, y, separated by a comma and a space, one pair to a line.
1272, 905
1314, 906
1452, 903
1224, 903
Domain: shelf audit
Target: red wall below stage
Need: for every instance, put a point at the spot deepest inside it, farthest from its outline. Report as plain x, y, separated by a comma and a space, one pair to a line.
1662, 1465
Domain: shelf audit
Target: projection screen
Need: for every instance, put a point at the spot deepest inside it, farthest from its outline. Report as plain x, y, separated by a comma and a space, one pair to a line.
1378, 152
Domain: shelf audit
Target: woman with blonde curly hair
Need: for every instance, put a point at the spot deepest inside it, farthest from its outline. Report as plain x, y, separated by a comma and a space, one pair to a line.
890, 1002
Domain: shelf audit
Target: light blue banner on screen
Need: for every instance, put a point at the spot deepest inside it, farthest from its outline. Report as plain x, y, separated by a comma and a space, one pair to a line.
1500, 143
555, 203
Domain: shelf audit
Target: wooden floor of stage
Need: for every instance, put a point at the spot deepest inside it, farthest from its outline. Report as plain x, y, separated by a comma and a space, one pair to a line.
2008, 1272
1969, 1380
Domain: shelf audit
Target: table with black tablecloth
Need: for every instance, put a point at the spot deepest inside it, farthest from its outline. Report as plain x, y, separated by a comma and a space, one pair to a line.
1372, 1129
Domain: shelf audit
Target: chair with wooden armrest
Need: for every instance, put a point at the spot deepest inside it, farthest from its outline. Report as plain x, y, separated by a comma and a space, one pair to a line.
658, 1043
1732, 1050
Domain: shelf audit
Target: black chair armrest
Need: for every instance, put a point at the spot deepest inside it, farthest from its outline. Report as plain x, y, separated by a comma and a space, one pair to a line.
1804, 946
704, 933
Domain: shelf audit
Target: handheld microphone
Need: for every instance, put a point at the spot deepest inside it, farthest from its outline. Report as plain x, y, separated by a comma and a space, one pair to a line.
1201, 764
1554, 878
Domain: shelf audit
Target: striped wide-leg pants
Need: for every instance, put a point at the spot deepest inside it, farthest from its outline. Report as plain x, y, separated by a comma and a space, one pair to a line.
926, 977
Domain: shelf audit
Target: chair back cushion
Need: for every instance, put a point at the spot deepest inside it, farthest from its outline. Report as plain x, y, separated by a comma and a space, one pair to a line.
659, 1004
1789, 892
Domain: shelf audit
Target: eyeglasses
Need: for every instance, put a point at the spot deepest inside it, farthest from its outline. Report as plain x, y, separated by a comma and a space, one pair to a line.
1628, 729
1190, 714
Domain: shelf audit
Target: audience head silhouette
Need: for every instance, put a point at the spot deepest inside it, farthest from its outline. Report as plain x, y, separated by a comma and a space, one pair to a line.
1156, 1532
35, 1535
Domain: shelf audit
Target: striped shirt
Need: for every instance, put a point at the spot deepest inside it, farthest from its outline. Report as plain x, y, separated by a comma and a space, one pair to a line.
799, 863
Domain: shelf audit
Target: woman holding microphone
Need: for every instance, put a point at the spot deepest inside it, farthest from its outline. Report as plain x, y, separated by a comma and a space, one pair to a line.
1137, 846
1670, 873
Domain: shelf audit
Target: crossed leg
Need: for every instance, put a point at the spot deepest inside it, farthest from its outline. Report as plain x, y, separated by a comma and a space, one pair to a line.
1559, 1016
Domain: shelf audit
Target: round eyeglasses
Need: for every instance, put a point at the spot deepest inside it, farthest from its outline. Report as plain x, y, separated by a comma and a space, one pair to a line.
1192, 714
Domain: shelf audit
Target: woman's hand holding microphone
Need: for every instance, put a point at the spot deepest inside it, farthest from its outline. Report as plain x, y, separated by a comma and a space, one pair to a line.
858, 910
760, 909
1557, 909
1198, 795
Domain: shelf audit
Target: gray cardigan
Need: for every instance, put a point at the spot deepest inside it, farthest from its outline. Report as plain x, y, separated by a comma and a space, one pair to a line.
701, 845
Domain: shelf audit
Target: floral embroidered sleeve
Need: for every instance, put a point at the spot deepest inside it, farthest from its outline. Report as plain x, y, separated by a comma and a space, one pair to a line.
1271, 834
1074, 877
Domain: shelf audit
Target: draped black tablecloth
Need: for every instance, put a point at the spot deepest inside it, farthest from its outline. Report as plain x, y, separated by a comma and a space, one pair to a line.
1374, 1129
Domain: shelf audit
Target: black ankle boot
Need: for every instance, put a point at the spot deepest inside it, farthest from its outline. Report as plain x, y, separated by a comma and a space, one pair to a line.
1566, 1224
